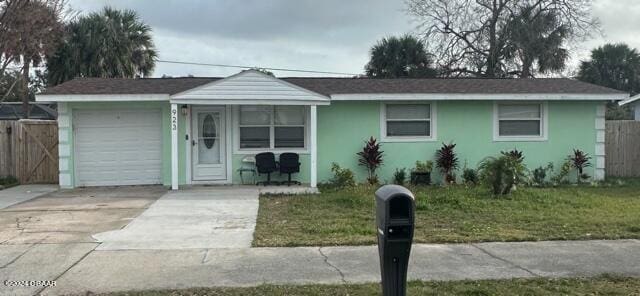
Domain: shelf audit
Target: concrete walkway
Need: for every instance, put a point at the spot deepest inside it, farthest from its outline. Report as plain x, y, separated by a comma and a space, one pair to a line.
22, 193
192, 218
107, 271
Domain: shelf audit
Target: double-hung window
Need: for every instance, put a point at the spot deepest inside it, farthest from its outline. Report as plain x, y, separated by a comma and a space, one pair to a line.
407, 121
520, 121
272, 127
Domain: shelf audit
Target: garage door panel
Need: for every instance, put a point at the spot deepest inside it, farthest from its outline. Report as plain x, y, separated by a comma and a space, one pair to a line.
118, 147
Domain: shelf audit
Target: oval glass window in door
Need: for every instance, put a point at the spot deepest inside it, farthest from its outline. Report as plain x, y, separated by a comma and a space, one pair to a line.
209, 131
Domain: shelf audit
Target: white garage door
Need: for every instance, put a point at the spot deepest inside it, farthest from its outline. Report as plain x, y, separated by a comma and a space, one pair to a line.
118, 147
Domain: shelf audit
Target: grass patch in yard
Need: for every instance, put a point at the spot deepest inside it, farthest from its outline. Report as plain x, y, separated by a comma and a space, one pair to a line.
605, 285
455, 214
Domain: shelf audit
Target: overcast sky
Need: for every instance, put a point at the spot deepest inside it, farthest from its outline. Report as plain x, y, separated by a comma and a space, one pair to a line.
327, 35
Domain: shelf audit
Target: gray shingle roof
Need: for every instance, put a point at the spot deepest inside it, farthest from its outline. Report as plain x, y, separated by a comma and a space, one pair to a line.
329, 86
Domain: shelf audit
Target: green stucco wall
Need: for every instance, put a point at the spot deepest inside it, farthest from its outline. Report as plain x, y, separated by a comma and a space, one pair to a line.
344, 126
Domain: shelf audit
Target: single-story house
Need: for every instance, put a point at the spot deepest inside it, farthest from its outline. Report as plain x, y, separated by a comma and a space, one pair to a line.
634, 102
150, 130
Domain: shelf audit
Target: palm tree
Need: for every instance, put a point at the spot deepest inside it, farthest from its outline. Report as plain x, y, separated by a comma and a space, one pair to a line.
395, 57
536, 37
615, 66
112, 43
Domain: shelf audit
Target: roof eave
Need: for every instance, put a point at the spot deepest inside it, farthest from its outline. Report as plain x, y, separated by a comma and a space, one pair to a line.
629, 100
101, 97
477, 97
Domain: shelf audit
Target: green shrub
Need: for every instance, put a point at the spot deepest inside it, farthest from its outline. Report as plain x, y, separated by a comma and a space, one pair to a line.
502, 174
540, 174
342, 177
470, 176
8, 181
400, 176
423, 166
561, 176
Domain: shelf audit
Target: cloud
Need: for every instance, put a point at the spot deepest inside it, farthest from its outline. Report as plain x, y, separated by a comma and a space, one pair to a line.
327, 35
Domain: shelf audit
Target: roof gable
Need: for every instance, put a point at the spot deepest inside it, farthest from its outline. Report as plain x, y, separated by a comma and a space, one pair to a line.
250, 86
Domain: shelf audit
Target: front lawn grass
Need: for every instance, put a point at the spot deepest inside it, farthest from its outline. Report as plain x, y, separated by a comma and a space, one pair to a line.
455, 214
605, 285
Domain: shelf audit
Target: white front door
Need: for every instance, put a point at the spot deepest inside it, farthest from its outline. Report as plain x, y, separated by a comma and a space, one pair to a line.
208, 144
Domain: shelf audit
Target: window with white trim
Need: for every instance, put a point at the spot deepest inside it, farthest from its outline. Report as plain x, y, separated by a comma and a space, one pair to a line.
407, 121
520, 120
272, 127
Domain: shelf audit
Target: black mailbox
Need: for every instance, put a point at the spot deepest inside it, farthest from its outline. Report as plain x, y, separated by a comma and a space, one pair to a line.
395, 219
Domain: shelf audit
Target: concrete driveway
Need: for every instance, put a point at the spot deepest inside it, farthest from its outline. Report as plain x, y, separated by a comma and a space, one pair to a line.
73, 216
42, 238
22, 193
191, 218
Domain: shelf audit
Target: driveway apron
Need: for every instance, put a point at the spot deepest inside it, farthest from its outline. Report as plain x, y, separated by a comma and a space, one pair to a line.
193, 218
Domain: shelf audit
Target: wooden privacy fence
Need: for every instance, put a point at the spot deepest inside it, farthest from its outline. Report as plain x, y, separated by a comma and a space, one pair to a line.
622, 148
29, 150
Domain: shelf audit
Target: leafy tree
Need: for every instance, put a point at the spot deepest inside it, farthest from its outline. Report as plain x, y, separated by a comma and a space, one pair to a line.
29, 31
10, 93
472, 38
615, 66
535, 36
397, 57
112, 43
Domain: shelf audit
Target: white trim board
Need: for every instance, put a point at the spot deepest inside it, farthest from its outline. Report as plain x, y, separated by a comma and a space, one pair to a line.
544, 122
102, 98
629, 100
476, 97
433, 124
249, 151
249, 102
600, 126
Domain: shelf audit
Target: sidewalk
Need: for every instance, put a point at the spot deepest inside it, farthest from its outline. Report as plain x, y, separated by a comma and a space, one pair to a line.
104, 271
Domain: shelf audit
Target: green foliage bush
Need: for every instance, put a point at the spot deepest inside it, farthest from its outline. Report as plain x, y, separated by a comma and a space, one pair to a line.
342, 177
8, 181
423, 166
400, 176
563, 173
540, 175
502, 174
470, 176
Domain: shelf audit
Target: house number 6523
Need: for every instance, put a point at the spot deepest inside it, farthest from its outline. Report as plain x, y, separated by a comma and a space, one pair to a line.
174, 120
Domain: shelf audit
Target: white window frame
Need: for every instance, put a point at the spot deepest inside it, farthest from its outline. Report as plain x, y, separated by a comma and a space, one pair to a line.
432, 123
544, 122
272, 126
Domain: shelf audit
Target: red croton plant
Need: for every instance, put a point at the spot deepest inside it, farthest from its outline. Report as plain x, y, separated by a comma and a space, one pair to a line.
580, 160
447, 162
371, 158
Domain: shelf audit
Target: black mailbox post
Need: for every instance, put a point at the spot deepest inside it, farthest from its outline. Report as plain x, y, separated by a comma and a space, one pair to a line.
395, 217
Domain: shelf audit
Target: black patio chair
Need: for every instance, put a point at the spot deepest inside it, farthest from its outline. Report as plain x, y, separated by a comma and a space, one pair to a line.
289, 164
266, 164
